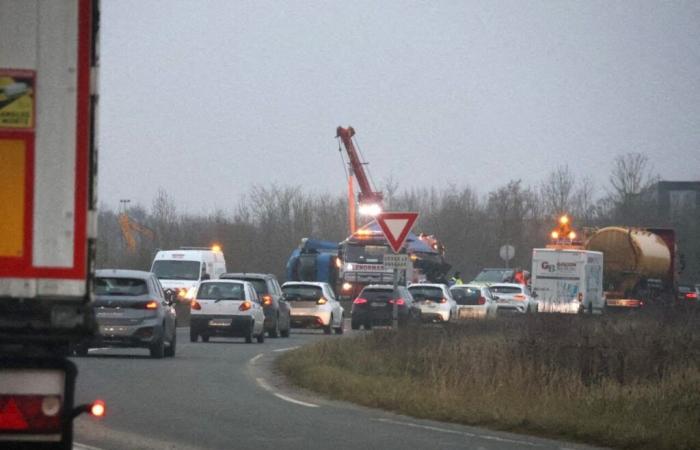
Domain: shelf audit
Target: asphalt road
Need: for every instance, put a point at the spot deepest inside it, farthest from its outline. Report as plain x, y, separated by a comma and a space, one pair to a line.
224, 395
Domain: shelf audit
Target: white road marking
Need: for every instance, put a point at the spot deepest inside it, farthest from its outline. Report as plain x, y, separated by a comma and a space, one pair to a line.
263, 384
286, 349
79, 446
463, 433
255, 358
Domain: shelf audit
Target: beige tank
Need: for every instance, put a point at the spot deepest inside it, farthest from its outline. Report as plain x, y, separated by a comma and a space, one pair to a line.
630, 254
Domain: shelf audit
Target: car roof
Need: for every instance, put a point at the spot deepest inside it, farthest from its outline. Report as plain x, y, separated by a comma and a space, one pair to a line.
122, 273
437, 285
247, 275
221, 280
305, 283
381, 286
470, 285
518, 285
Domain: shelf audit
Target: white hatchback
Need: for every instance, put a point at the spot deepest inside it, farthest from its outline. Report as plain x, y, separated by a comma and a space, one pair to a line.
474, 301
313, 305
227, 308
513, 297
435, 302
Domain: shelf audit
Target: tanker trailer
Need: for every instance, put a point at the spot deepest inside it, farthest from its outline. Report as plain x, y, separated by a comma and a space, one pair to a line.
639, 265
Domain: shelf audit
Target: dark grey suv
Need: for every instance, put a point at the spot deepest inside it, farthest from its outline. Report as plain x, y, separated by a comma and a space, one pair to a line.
275, 307
131, 311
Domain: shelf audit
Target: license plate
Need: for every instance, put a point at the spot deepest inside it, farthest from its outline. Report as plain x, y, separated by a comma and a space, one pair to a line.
113, 331
378, 304
220, 323
110, 314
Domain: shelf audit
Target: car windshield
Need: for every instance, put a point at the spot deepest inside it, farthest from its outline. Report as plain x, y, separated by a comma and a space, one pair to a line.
216, 291
377, 295
506, 289
120, 286
426, 293
302, 292
370, 254
493, 275
176, 270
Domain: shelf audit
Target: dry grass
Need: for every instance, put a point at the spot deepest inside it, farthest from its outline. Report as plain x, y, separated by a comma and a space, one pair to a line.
627, 382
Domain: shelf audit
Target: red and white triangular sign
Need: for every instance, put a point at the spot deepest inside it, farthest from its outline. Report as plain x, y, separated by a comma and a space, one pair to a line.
396, 226
11, 417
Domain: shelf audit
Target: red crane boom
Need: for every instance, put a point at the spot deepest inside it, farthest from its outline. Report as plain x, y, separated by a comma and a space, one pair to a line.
366, 195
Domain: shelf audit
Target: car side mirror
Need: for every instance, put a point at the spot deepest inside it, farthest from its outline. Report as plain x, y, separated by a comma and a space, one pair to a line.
206, 276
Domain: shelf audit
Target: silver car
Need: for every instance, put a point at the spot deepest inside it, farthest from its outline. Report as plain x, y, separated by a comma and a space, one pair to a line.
473, 301
313, 305
435, 302
131, 311
513, 297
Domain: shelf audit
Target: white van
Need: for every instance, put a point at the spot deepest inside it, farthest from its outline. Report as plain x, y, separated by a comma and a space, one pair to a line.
180, 271
568, 280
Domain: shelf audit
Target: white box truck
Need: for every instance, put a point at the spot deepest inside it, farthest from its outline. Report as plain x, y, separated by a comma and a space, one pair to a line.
180, 271
48, 65
568, 280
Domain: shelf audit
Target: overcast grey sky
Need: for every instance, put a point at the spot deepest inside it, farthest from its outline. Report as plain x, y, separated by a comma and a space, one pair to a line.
206, 98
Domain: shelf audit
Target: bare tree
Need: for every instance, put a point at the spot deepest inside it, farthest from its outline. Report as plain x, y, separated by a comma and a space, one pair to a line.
558, 191
631, 175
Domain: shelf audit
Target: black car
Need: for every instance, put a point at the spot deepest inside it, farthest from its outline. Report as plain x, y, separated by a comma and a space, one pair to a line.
276, 308
375, 306
131, 311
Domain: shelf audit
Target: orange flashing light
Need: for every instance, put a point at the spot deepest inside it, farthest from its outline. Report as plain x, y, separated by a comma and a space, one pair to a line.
216, 248
152, 305
98, 408
194, 304
245, 306
266, 300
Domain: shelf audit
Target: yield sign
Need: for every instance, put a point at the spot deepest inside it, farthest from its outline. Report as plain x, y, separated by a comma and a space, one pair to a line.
396, 226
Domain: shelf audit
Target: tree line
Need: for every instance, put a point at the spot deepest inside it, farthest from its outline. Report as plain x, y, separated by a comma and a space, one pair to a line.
270, 221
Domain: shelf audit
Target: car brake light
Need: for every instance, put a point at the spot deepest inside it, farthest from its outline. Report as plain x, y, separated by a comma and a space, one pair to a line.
266, 300
245, 306
399, 302
360, 301
520, 297
98, 408
151, 305
482, 300
443, 300
194, 304
691, 295
322, 301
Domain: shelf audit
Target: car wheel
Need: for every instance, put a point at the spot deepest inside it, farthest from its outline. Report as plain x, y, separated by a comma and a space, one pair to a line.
170, 349
329, 328
157, 348
205, 338
341, 328
249, 334
275, 332
367, 326
261, 337
354, 325
81, 350
193, 335
285, 333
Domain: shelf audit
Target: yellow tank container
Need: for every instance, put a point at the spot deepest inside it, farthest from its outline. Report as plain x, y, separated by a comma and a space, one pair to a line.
630, 254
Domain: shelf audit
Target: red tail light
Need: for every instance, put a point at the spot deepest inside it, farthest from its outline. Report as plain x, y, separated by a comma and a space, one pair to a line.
360, 301
98, 408
36, 413
194, 304
322, 301
151, 305
399, 302
691, 296
266, 300
443, 300
520, 297
482, 300
245, 306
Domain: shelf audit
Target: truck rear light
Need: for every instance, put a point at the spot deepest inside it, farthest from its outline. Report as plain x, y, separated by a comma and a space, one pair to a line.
28, 413
194, 304
360, 301
481, 300
347, 286
245, 306
322, 301
266, 300
98, 409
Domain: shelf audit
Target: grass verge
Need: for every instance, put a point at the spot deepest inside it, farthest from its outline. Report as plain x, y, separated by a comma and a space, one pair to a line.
626, 382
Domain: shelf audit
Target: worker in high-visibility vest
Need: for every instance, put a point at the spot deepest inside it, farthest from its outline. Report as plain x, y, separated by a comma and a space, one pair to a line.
519, 277
456, 279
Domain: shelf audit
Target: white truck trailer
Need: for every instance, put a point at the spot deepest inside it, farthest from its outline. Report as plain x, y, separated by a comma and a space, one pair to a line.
48, 67
568, 280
